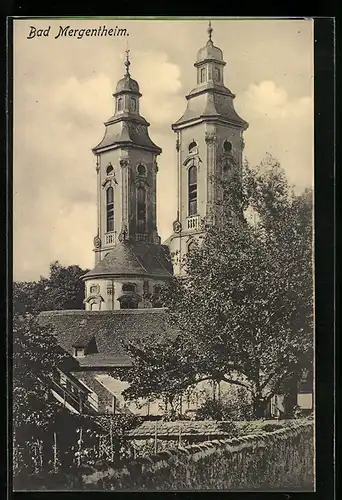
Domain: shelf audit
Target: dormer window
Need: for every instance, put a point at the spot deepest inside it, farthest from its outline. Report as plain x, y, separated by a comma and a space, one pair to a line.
79, 352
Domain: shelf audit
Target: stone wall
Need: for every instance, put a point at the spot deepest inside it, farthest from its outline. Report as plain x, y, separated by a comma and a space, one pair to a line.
279, 460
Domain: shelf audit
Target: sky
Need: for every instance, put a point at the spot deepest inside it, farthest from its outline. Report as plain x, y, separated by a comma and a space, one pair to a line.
63, 95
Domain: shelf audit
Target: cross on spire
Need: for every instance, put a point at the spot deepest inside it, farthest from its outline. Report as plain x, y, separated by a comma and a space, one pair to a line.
209, 30
127, 62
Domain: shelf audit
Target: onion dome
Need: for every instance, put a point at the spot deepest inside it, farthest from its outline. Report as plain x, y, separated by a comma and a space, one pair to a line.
127, 84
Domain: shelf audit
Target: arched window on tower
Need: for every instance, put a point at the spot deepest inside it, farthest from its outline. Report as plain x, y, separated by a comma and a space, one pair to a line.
110, 209
192, 190
141, 209
133, 105
120, 104
217, 74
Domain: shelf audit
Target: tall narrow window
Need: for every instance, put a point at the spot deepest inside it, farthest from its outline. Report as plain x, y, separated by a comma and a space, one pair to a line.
192, 175
202, 75
120, 104
141, 209
133, 104
110, 209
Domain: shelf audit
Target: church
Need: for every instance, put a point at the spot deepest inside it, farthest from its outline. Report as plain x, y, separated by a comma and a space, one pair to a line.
131, 263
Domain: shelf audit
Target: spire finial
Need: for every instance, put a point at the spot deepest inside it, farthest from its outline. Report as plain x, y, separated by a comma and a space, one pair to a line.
210, 30
127, 62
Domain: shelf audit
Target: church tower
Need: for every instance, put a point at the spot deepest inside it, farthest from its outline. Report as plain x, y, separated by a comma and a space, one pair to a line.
209, 144
129, 259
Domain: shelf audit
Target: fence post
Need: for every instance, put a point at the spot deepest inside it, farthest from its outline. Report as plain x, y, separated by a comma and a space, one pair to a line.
155, 437
179, 435
111, 440
54, 451
79, 448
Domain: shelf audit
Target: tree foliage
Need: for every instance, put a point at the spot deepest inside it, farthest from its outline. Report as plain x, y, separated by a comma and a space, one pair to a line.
244, 309
34, 411
36, 353
62, 289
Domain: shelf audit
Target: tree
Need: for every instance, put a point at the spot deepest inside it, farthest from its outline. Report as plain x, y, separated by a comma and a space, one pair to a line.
63, 289
244, 308
35, 355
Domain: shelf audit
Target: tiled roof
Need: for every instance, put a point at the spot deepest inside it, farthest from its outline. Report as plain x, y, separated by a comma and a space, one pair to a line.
123, 130
218, 103
110, 329
135, 258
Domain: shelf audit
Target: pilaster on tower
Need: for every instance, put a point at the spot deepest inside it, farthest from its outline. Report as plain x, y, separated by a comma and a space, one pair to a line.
209, 144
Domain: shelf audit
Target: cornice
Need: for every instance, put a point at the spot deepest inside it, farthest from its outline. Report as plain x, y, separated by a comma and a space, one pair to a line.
219, 119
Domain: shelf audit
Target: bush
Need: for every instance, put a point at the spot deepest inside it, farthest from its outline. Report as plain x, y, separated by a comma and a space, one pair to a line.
212, 410
224, 409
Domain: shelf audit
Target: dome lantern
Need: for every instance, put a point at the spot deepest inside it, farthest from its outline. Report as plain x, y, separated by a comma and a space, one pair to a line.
209, 53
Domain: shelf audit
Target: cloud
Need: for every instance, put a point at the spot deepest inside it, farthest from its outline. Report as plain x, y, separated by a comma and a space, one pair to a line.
160, 84
281, 126
271, 101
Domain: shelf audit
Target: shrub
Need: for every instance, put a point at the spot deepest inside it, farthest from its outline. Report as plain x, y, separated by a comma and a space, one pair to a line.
211, 410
